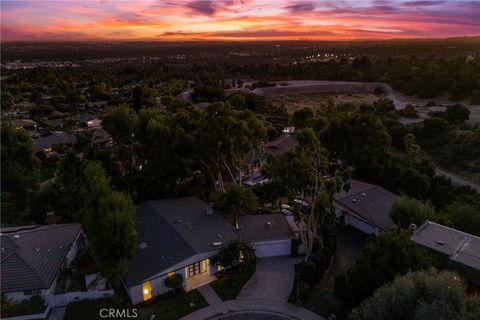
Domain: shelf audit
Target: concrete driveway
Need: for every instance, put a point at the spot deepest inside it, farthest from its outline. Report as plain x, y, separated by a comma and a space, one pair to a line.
273, 279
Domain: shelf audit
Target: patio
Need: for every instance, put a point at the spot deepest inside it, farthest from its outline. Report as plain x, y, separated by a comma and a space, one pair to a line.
199, 280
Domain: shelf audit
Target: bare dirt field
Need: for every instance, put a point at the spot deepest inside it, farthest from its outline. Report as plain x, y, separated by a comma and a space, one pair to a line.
315, 101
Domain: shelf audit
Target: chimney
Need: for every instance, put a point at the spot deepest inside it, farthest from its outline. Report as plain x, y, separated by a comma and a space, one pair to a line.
51, 217
411, 228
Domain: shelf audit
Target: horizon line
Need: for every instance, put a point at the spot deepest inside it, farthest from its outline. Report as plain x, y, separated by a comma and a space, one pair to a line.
239, 40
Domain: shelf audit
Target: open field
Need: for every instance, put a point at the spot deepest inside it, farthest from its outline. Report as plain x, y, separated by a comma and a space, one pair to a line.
315, 101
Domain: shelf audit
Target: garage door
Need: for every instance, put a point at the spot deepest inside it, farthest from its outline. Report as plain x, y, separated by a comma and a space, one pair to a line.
361, 225
273, 248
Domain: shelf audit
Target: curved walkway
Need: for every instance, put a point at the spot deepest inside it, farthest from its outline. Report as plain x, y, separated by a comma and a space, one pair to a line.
264, 296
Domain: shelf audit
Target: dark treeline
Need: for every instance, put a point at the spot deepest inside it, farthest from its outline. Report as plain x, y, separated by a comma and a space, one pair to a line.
76, 51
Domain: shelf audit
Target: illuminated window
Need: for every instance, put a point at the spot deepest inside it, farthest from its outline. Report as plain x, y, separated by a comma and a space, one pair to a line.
147, 291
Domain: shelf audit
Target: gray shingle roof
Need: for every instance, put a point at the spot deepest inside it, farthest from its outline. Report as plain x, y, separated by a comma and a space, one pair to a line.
256, 228
32, 257
281, 144
173, 230
459, 246
369, 201
52, 138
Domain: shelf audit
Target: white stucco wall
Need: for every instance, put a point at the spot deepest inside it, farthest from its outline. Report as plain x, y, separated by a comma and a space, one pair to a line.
158, 287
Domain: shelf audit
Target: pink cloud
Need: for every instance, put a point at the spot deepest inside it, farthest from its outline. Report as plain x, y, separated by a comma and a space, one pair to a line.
237, 19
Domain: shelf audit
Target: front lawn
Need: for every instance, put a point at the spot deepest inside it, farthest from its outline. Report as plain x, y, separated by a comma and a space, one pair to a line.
90, 309
176, 307
229, 285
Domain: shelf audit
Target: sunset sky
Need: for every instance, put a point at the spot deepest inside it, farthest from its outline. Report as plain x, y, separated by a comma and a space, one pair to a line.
236, 19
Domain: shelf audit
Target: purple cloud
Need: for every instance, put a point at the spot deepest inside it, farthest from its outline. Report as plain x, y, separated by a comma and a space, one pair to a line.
300, 7
203, 7
422, 3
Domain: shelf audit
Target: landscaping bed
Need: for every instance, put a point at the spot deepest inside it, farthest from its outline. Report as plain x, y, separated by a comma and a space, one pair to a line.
229, 285
34, 305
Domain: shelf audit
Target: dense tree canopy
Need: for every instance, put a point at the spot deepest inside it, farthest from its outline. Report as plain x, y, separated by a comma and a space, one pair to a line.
409, 210
381, 259
420, 295
20, 174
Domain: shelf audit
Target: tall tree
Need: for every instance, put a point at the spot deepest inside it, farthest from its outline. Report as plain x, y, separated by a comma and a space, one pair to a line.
110, 224
237, 200
20, 174
359, 139
304, 170
221, 147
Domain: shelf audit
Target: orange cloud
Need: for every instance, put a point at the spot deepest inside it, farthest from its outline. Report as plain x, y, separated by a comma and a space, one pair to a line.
236, 19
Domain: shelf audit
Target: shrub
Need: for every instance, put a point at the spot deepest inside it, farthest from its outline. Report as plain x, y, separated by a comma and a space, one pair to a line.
32, 306
174, 281
410, 210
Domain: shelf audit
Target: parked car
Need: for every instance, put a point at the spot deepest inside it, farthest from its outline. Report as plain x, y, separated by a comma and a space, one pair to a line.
302, 202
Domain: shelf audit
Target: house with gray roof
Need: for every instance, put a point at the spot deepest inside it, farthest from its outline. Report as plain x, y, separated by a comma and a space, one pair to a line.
32, 258
281, 144
27, 124
365, 207
457, 250
270, 234
48, 140
180, 235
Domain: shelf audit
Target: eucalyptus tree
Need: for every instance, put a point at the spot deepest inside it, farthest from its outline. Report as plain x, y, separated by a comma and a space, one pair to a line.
223, 138
306, 170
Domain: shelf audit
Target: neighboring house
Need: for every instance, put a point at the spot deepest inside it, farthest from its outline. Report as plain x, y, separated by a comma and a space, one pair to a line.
102, 137
98, 104
34, 256
88, 120
46, 141
280, 144
56, 119
27, 124
256, 178
365, 207
257, 159
457, 250
180, 235
270, 234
